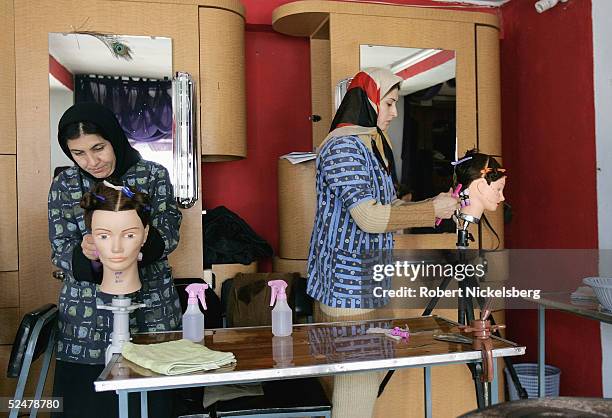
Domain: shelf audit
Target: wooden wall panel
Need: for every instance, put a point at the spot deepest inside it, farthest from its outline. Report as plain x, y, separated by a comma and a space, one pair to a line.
303, 18
8, 143
320, 80
34, 20
9, 290
8, 213
297, 205
223, 91
9, 318
489, 113
283, 265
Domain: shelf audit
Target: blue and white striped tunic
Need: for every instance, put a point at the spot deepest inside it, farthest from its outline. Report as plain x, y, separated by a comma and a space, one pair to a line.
341, 254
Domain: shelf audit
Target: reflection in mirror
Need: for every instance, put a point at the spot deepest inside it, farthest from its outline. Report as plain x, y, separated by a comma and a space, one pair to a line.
423, 135
131, 75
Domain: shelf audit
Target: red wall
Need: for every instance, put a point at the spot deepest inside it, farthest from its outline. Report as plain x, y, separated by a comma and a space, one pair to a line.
278, 106
549, 135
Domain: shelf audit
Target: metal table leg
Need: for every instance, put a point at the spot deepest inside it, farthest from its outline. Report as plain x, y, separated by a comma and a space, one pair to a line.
427, 390
123, 404
494, 389
541, 350
144, 406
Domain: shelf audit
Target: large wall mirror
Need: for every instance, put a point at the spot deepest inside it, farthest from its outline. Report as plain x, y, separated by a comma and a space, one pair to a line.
423, 135
132, 75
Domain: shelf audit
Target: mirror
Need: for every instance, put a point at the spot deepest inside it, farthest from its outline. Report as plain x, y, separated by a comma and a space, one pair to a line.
423, 135
132, 75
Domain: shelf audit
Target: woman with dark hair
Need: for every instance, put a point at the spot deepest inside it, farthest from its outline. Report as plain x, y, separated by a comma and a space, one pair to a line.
90, 135
357, 212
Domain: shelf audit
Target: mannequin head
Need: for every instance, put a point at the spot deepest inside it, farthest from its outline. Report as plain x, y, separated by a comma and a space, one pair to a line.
118, 219
483, 179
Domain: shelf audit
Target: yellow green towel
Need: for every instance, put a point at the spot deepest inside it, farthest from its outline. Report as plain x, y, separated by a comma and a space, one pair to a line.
176, 357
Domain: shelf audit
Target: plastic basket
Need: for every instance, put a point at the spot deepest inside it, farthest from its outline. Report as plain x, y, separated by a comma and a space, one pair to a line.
528, 376
602, 286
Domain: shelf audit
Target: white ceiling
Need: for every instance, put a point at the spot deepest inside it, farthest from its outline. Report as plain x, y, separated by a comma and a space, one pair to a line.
86, 54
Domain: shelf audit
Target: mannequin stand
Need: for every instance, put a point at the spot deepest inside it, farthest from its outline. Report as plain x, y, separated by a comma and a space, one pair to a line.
121, 307
465, 315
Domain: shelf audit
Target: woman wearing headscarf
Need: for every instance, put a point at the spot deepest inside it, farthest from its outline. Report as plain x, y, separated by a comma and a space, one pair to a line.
357, 212
91, 136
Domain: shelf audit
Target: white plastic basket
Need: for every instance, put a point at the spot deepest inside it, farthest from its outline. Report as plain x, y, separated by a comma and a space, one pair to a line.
602, 286
528, 376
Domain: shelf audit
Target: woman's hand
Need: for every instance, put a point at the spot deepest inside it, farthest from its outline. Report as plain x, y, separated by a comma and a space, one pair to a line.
89, 248
445, 205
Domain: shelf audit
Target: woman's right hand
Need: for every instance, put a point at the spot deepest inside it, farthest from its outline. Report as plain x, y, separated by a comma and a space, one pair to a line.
445, 205
89, 248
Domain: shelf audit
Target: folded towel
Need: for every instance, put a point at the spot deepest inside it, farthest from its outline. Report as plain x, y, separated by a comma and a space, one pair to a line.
176, 357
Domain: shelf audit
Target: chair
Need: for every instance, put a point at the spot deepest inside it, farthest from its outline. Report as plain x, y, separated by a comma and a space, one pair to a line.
36, 335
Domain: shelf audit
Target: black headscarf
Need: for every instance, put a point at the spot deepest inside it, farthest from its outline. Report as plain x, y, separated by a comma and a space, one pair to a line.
125, 155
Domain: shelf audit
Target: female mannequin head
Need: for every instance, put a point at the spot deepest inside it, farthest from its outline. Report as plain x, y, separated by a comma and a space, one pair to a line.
118, 218
483, 180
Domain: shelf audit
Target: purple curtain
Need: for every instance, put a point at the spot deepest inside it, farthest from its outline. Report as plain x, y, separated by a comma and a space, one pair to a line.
143, 107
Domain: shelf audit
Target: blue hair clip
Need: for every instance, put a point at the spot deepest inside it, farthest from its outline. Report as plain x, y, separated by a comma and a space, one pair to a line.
455, 163
127, 192
99, 197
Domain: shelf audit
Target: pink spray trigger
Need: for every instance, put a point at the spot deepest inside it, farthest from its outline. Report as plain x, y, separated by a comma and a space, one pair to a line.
399, 332
278, 288
196, 291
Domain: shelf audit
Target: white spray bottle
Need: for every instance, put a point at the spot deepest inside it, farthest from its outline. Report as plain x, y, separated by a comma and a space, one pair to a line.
282, 317
193, 318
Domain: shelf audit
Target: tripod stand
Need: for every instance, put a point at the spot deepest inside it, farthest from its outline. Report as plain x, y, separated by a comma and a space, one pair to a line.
465, 314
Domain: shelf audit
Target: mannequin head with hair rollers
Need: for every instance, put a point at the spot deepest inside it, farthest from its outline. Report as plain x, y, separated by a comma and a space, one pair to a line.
118, 218
483, 180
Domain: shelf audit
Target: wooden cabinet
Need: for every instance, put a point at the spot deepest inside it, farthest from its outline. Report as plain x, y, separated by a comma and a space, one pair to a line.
223, 90
8, 213
7, 79
336, 31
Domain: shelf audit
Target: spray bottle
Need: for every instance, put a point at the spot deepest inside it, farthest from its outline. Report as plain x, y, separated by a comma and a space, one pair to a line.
193, 318
282, 317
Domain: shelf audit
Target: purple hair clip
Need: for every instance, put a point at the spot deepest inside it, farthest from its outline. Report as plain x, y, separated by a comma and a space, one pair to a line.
126, 191
99, 197
464, 195
455, 163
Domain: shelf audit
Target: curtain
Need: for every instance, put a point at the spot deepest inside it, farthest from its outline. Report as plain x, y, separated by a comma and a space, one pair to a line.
143, 107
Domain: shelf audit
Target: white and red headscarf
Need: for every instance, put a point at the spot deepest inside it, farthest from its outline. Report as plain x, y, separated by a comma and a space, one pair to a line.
358, 112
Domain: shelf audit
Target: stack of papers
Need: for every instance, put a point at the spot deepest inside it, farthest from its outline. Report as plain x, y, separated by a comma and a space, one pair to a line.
299, 157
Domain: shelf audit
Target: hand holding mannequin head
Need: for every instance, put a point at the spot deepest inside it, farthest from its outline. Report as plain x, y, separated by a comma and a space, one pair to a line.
483, 180
118, 218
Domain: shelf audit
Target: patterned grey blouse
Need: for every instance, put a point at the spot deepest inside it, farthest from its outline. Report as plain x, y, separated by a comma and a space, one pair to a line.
84, 331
